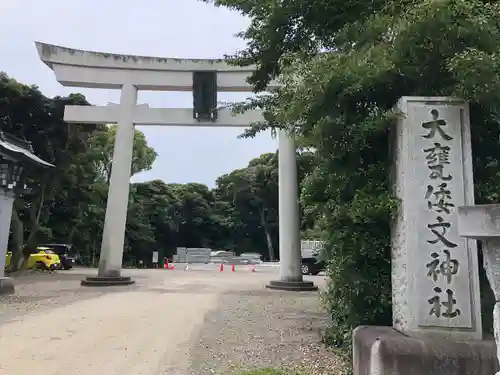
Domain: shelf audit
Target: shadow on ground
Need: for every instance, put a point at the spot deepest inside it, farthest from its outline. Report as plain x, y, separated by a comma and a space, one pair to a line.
263, 329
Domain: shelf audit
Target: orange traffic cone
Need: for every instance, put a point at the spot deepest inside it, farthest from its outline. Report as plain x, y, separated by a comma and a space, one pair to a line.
253, 267
166, 264
221, 267
232, 268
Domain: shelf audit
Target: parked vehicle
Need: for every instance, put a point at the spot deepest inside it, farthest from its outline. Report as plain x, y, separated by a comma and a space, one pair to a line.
312, 266
43, 259
311, 263
63, 251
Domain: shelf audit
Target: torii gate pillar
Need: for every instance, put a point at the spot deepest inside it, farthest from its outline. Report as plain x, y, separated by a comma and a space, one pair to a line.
289, 219
113, 236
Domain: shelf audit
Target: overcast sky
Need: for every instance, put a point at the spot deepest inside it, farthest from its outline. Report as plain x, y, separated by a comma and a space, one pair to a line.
165, 28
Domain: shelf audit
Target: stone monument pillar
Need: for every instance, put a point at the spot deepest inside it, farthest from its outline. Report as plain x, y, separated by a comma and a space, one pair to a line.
435, 279
435, 276
482, 223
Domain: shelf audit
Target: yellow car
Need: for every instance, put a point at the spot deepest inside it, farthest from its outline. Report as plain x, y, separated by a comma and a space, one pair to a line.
43, 259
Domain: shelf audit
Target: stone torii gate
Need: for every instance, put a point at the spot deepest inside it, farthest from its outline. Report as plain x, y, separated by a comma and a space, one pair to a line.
204, 78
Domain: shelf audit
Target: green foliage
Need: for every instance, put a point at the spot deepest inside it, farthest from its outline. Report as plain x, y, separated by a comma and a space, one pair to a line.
77, 216
103, 143
240, 214
252, 194
343, 66
253, 191
26, 113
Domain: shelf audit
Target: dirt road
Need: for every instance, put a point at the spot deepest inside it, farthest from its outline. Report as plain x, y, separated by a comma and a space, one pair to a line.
55, 327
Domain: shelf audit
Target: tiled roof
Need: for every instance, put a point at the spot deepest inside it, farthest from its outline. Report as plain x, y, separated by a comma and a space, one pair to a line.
20, 149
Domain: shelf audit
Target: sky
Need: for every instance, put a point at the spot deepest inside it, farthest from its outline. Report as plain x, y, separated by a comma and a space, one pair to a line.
163, 28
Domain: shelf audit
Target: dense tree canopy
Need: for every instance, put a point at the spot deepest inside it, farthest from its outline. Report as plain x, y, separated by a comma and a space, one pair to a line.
26, 113
343, 66
68, 205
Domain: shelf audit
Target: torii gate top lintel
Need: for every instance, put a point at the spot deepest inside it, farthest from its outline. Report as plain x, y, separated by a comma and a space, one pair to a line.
80, 68
50, 54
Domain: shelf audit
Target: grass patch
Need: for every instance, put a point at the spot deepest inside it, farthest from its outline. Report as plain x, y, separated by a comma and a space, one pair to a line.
262, 372
269, 371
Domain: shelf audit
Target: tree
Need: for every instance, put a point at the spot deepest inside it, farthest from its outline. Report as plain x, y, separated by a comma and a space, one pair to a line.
165, 216
68, 203
103, 144
305, 27
161, 216
68, 206
26, 113
343, 66
253, 191
252, 195
79, 216
197, 222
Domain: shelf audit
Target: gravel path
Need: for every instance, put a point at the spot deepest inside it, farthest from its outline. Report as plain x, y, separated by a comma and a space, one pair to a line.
171, 322
41, 291
263, 329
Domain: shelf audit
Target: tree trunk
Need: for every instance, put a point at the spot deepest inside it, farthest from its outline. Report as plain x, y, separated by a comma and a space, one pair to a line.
270, 247
93, 259
34, 224
269, 240
71, 233
17, 259
21, 250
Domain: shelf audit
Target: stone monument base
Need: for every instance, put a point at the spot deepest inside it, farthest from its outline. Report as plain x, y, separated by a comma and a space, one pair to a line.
385, 351
292, 286
107, 281
6, 285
